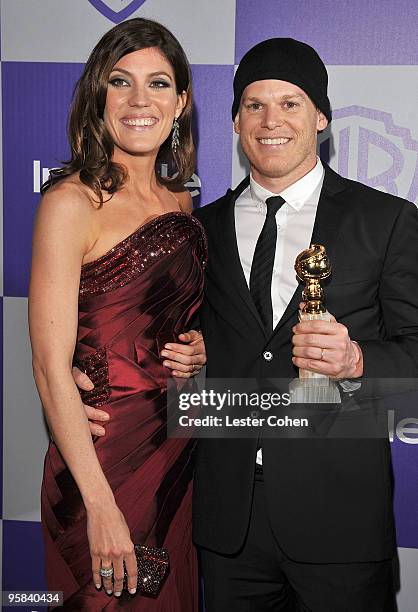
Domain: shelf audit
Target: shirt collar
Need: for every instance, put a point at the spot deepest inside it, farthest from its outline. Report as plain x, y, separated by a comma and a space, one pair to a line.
296, 195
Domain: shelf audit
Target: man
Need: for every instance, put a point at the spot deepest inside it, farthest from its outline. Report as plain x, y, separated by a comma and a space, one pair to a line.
299, 524
312, 529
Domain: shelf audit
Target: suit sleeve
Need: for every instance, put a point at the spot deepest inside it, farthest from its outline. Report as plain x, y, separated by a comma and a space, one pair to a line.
396, 354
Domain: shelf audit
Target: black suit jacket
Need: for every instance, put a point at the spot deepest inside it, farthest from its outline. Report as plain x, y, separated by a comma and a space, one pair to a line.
328, 500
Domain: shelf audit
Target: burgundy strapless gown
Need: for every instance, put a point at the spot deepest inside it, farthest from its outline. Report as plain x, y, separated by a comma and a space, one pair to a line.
133, 300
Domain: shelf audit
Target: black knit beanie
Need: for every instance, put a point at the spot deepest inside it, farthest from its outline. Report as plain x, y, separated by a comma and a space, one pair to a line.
288, 60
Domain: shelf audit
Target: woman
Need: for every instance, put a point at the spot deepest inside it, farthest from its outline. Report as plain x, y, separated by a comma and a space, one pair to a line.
117, 272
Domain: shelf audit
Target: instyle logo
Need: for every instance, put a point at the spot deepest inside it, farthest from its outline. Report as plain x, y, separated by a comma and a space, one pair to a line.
366, 145
117, 10
41, 174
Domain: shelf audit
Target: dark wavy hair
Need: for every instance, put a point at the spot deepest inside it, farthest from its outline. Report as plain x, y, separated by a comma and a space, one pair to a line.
90, 142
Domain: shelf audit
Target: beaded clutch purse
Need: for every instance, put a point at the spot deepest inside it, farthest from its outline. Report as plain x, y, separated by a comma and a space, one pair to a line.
153, 567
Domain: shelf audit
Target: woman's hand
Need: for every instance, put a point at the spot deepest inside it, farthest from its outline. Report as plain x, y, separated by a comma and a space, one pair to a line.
110, 547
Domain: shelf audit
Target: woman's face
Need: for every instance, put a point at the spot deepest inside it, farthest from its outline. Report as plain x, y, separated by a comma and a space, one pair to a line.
142, 102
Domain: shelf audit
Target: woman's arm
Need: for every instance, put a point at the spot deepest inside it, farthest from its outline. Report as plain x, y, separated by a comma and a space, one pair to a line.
62, 235
60, 241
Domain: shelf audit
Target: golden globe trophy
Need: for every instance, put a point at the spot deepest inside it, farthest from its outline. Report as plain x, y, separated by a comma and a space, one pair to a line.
313, 266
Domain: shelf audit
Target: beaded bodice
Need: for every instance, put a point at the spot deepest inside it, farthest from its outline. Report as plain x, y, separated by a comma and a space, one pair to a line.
138, 251
139, 295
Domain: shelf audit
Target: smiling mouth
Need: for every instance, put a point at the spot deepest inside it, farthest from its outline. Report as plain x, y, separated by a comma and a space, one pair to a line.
140, 123
273, 141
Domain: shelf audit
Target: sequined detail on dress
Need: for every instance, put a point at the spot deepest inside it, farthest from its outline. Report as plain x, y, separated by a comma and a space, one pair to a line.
146, 245
96, 368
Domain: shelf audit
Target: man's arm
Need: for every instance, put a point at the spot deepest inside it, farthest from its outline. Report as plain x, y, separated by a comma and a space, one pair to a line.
396, 353
185, 360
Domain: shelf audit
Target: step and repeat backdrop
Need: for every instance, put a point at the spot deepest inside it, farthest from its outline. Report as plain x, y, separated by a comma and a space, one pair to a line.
372, 55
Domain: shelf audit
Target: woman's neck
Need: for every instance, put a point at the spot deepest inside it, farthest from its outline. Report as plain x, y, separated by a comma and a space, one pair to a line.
141, 179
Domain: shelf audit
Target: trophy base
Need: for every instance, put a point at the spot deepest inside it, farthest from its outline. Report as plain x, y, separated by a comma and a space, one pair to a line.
312, 387
321, 316
314, 391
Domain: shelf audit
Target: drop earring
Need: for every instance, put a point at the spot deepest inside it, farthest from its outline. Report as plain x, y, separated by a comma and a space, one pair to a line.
175, 140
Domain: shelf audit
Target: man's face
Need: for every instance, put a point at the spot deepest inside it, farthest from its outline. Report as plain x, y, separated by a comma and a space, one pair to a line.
278, 124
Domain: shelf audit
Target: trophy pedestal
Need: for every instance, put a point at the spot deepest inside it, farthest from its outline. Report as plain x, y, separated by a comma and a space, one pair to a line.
314, 391
311, 387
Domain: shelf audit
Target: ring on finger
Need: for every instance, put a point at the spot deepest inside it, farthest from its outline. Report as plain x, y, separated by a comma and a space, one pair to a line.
106, 572
322, 354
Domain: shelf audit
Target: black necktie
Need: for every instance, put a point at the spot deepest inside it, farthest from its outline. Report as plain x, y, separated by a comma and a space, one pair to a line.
263, 260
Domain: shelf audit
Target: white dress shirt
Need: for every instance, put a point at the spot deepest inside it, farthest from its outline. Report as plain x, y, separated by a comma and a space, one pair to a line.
295, 221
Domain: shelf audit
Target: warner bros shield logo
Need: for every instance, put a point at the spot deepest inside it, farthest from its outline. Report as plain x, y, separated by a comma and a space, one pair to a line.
366, 145
117, 10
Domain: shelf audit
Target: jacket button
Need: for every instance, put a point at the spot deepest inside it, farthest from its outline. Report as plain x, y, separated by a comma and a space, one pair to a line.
268, 356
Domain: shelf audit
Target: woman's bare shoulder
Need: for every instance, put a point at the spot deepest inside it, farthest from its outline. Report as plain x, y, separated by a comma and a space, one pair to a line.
71, 189
184, 199
67, 207
69, 200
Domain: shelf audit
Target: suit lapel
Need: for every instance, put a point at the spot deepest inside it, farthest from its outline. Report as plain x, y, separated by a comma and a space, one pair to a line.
225, 223
328, 218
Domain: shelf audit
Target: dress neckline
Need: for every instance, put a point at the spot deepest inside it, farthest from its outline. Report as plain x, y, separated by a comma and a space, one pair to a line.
138, 230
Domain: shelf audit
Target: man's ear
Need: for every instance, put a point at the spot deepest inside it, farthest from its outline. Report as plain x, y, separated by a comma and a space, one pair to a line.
236, 124
321, 122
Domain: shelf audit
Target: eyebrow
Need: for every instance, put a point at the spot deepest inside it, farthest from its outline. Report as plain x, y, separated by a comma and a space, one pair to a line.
295, 95
284, 97
152, 74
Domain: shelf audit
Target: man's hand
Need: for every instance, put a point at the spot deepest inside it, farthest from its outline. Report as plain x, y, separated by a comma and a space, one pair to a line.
325, 347
185, 360
93, 414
